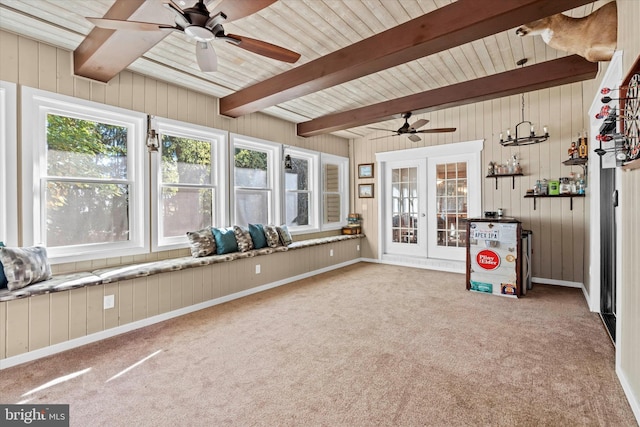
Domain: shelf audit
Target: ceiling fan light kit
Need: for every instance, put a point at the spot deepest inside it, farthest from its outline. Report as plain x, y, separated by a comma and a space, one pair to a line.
528, 135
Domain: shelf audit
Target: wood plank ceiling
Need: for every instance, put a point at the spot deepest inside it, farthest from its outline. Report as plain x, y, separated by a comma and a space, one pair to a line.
314, 28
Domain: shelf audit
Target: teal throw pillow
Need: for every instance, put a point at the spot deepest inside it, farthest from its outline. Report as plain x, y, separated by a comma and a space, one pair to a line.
225, 240
257, 235
3, 278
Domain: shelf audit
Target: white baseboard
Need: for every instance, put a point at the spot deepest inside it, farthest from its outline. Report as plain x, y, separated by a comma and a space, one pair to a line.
628, 391
426, 264
77, 342
566, 283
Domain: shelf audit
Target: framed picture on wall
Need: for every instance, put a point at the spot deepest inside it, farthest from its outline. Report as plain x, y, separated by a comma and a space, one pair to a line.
365, 170
365, 191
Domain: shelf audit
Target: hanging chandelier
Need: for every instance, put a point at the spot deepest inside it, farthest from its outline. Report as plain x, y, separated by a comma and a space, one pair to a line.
525, 133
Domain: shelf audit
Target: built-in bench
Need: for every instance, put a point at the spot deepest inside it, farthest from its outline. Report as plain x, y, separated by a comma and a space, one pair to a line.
65, 282
70, 310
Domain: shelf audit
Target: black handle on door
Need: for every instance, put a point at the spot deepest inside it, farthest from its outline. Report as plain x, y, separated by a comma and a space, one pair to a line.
614, 198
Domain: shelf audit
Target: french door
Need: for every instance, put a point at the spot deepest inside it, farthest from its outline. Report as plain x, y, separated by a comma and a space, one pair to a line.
405, 207
428, 193
449, 204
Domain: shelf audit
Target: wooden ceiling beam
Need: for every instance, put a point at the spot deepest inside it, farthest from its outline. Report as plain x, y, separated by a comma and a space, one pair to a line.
460, 22
104, 53
557, 72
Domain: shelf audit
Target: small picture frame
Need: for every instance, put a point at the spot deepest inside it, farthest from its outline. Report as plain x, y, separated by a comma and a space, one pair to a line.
365, 170
365, 191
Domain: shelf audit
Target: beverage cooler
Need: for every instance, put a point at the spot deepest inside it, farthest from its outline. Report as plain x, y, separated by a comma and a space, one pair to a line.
494, 256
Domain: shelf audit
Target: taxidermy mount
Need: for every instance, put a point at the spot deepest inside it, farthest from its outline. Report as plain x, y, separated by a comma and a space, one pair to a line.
593, 37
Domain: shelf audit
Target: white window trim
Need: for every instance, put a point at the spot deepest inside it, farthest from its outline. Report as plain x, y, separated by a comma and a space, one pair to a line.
8, 164
313, 185
274, 176
343, 168
219, 173
35, 106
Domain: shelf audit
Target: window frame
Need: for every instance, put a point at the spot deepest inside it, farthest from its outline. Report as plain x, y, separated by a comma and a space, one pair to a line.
313, 185
219, 173
343, 176
8, 164
274, 175
36, 105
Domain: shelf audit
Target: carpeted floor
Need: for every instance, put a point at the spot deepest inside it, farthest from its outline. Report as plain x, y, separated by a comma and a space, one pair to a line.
366, 345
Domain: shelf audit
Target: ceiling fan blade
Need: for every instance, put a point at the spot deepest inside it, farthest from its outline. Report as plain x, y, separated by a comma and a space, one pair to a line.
115, 24
236, 9
436, 130
419, 123
380, 137
206, 56
386, 130
414, 138
181, 19
266, 49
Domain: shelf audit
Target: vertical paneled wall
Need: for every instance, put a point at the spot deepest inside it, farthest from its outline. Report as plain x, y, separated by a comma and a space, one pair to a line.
629, 312
559, 242
38, 65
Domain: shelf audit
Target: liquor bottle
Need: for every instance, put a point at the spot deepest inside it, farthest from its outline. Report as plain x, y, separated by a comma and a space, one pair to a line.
583, 150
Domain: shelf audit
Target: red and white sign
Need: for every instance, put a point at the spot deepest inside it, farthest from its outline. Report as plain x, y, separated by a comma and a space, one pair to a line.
489, 260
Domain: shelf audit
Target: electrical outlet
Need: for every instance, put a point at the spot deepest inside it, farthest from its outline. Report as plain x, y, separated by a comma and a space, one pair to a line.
330, 252
357, 247
109, 301
257, 268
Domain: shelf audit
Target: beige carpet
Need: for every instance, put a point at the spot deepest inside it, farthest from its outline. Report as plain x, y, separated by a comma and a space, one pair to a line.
367, 345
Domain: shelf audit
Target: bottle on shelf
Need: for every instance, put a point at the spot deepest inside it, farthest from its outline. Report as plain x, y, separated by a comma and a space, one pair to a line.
583, 149
581, 184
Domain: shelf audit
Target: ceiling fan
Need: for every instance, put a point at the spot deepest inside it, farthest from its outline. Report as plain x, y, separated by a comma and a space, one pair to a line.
203, 26
412, 130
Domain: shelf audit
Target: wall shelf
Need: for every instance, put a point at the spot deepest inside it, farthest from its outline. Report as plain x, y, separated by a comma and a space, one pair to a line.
506, 175
578, 162
559, 196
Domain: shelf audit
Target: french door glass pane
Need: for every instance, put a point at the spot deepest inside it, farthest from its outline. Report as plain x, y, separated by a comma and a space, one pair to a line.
85, 213
185, 209
404, 205
451, 204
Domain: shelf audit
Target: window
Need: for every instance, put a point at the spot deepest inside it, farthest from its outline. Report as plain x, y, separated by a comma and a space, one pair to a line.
300, 182
8, 165
189, 181
335, 193
83, 181
255, 181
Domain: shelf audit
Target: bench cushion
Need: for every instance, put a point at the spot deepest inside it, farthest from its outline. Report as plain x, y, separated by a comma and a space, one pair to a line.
62, 282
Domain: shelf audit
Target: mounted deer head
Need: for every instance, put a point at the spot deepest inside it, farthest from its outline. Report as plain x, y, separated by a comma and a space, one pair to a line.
593, 37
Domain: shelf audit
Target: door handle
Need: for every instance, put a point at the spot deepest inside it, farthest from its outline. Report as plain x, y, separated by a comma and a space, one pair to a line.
614, 198
423, 215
